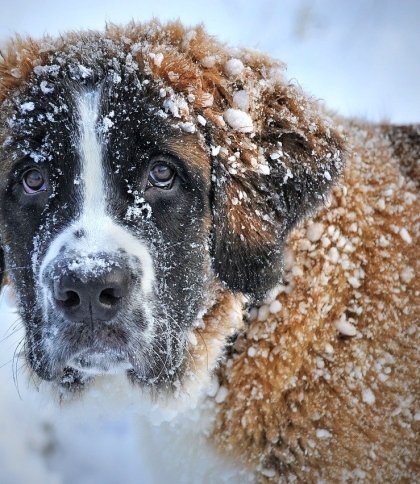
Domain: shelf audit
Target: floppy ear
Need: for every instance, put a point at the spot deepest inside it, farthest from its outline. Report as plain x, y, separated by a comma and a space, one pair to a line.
264, 184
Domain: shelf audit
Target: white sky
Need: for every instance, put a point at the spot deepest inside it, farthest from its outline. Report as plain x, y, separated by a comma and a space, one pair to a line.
361, 56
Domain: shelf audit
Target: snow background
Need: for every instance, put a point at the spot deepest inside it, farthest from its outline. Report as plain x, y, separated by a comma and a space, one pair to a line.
360, 57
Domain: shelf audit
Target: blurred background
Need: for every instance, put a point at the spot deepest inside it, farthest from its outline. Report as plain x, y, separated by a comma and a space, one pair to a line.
360, 57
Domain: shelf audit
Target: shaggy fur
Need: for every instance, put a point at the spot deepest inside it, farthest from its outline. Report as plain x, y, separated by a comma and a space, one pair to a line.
322, 379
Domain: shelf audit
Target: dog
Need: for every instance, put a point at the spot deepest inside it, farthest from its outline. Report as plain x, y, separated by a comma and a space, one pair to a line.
177, 213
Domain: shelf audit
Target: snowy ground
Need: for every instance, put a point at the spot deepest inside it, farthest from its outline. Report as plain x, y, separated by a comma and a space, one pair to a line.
361, 57
41, 443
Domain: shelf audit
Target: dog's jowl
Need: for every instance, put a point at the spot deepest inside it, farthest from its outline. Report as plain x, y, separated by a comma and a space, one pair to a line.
175, 212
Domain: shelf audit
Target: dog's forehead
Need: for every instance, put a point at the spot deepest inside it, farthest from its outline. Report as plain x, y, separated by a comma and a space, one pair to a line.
137, 112
44, 121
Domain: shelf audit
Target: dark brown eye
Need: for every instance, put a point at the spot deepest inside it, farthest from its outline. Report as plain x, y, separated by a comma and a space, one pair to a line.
33, 181
162, 175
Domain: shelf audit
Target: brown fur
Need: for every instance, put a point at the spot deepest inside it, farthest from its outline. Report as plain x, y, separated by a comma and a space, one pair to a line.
301, 375
293, 385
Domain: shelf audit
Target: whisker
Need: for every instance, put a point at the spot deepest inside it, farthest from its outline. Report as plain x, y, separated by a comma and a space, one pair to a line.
15, 369
205, 344
14, 328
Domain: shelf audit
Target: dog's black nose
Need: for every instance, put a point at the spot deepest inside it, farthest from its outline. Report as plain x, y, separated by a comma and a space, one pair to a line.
93, 296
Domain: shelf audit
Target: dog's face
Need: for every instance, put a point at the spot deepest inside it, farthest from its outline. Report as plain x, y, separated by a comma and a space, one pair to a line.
120, 218
108, 217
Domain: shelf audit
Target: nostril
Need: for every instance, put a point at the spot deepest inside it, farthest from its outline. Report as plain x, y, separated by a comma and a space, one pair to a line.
109, 297
70, 299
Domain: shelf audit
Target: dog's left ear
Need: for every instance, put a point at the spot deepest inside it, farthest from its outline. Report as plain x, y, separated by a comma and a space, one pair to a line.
264, 183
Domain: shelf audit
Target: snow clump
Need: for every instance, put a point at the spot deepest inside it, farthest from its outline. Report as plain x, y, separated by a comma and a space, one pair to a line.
201, 120
27, 107
239, 120
368, 396
221, 395
107, 123
85, 72
345, 327
234, 67
157, 58
241, 100
323, 434
176, 105
314, 232
188, 127
405, 235
208, 61
275, 306
46, 88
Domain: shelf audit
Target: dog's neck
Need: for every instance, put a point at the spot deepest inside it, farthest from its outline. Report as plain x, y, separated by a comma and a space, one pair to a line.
209, 337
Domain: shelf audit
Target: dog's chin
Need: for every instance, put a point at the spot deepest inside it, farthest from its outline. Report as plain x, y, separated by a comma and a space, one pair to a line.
84, 366
94, 362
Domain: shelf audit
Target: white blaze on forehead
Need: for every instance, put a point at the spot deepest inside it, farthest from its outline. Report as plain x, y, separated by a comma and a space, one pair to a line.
100, 231
90, 147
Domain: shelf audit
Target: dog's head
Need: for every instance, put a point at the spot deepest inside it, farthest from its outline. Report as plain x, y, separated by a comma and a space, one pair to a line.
145, 173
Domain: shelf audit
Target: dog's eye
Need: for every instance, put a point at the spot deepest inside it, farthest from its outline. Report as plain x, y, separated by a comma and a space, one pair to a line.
162, 175
33, 181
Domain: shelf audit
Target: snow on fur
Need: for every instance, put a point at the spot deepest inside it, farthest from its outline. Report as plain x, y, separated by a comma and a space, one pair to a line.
298, 391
